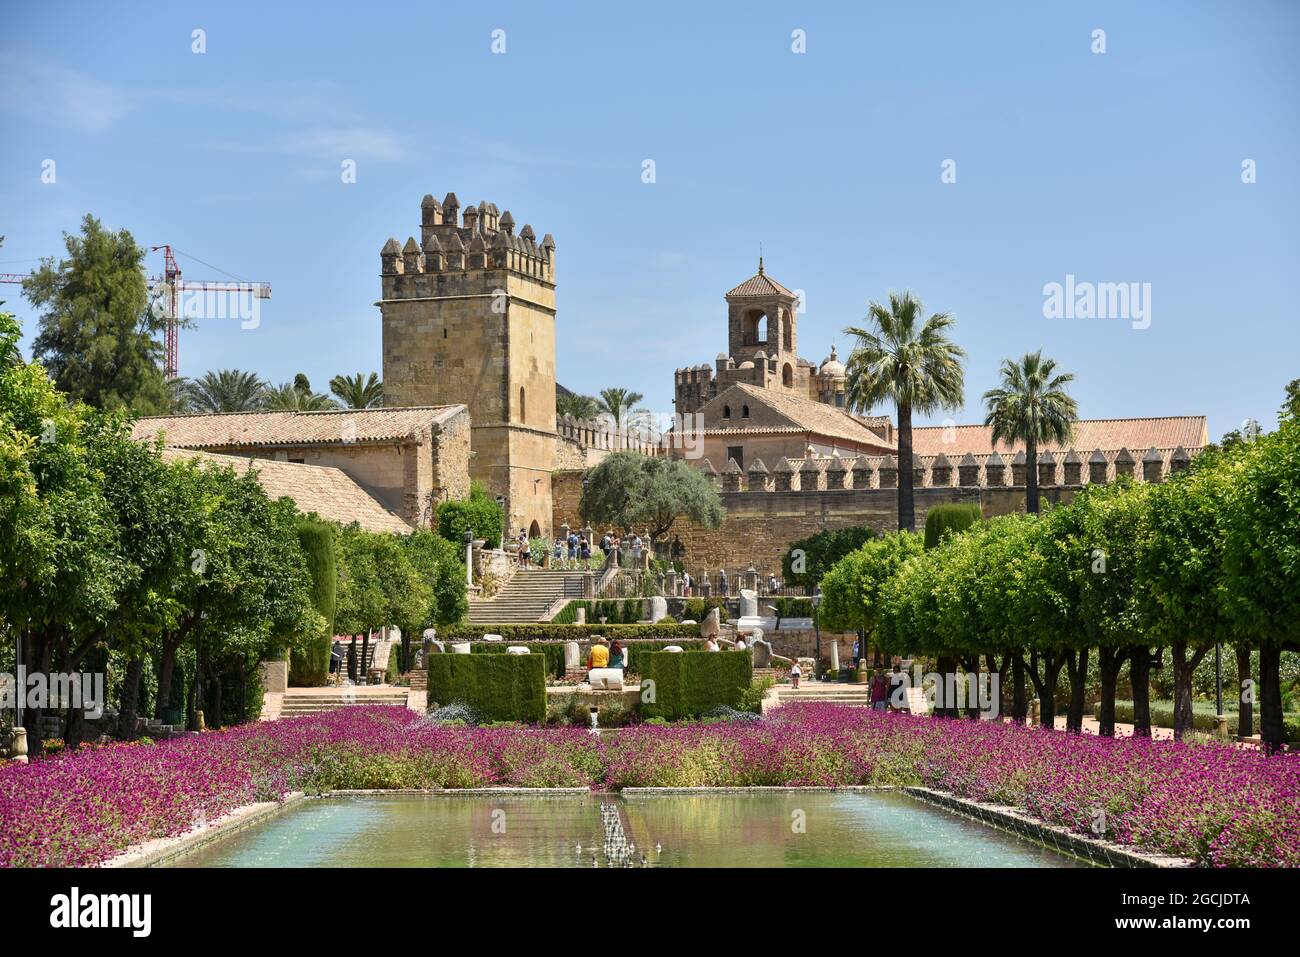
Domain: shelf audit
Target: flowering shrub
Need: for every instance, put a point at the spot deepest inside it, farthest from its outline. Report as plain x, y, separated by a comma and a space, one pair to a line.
1221, 806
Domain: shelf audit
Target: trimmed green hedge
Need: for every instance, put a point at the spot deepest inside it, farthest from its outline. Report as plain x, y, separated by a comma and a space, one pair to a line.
1162, 716
624, 611
686, 685
498, 687
949, 517
546, 631
552, 651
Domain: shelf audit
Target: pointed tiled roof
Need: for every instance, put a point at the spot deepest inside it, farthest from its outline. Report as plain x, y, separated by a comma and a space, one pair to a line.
759, 285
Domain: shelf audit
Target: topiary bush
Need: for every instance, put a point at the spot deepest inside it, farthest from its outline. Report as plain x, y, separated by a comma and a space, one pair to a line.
549, 631
479, 513
309, 665
496, 687
949, 517
689, 684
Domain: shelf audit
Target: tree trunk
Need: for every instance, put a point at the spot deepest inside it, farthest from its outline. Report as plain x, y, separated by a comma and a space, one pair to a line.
1031, 475
1140, 674
1109, 661
1184, 723
129, 707
37, 654
365, 656
352, 660
1245, 694
243, 692
1045, 685
1019, 699
166, 674
1000, 670
945, 666
906, 500
971, 665
1077, 669
1270, 698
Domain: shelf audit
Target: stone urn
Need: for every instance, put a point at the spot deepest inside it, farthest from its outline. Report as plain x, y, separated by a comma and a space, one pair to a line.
860, 677
18, 745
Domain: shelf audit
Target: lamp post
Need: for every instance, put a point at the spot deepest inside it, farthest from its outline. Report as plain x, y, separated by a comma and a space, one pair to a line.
1220, 719
505, 525
816, 600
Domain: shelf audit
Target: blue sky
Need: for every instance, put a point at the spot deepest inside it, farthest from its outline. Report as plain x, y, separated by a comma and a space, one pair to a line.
1117, 167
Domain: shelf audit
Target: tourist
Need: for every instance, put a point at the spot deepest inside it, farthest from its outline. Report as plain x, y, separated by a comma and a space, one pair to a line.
336, 658
711, 645
677, 549
605, 542
879, 692
584, 548
740, 644
771, 584
573, 545
598, 657
686, 583
722, 582
857, 655
897, 681
615, 655
636, 549
795, 672
559, 550
523, 547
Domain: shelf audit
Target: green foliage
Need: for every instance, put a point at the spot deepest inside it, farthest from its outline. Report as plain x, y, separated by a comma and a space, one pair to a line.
309, 665
497, 687
696, 608
949, 517
628, 490
98, 336
440, 564
545, 631
852, 587
793, 607
688, 684
751, 698
552, 651
226, 390
479, 513
358, 391
1203, 718
808, 559
580, 407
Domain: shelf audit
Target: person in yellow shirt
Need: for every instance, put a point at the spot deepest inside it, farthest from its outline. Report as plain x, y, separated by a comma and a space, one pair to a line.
598, 657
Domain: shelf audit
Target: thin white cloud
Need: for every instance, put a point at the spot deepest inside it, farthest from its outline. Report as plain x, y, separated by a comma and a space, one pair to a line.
68, 97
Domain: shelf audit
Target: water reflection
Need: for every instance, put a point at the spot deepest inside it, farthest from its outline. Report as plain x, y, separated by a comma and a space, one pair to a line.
774, 829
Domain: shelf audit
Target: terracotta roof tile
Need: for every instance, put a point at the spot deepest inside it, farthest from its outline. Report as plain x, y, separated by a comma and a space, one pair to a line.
327, 491
760, 285
805, 415
1167, 432
331, 427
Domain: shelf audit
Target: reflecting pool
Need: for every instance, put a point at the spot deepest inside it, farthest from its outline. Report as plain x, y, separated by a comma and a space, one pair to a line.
766, 829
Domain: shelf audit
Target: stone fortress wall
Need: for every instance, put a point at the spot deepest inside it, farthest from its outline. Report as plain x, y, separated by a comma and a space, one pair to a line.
767, 509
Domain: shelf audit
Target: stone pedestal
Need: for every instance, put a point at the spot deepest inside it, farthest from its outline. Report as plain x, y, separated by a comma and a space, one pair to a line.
835, 655
275, 676
572, 656
748, 603
711, 625
1221, 726
580, 616
658, 608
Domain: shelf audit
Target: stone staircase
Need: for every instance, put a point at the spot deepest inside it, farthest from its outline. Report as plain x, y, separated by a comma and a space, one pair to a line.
833, 691
298, 702
527, 597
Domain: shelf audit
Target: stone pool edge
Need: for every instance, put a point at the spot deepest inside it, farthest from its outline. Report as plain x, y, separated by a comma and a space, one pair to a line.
1002, 817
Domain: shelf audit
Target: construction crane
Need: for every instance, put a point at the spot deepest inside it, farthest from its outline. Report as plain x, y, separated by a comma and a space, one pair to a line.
168, 289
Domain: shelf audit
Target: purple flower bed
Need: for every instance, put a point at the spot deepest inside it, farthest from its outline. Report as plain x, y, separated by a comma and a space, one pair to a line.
1222, 806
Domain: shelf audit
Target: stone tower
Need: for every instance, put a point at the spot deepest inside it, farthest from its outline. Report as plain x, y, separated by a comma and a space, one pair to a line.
761, 326
469, 317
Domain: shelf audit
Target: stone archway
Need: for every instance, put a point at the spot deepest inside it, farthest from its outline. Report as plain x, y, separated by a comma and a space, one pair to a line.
534, 530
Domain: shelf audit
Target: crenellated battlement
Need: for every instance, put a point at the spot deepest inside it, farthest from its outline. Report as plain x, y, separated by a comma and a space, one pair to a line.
1068, 470
455, 241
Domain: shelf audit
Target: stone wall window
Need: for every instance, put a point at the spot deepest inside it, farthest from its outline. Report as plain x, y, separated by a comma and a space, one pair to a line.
744, 412
787, 375
522, 407
736, 452
726, 411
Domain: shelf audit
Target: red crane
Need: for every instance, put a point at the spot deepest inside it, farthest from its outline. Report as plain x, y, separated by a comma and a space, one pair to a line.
169, 287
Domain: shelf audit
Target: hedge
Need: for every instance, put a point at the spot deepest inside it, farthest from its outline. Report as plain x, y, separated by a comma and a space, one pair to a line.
547, 631
1203, 718
552, 651
688, 685
627, 611
498, 687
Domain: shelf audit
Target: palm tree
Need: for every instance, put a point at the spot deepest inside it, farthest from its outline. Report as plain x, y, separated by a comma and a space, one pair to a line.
621, 406
1031, 406
910, 362
227, 390
581, 407
289, 396
358, 391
